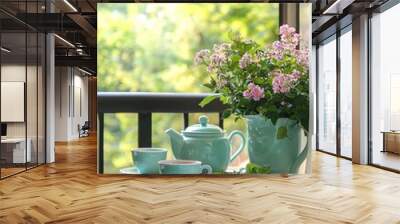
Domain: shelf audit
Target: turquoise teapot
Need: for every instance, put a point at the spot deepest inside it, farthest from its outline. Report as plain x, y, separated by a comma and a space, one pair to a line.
206, 143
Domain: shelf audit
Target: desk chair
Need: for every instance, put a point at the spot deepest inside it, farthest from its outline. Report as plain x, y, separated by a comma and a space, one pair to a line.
84, 130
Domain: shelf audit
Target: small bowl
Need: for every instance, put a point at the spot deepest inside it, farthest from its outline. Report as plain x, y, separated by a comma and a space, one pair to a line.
184, 167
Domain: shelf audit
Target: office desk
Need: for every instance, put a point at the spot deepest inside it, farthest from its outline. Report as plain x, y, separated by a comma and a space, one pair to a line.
13, 150
391, 141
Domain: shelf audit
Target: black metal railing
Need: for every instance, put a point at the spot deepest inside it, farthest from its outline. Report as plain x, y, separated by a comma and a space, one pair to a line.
144, 104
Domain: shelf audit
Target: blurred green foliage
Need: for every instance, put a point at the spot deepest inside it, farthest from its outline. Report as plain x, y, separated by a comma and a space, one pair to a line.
150, 47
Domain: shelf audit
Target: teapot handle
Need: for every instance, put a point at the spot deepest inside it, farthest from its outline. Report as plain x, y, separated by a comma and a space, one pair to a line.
242, 143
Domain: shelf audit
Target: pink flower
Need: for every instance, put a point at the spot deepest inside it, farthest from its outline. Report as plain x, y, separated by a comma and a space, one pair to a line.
210, 68
283, 83
253, 92
213, 59
245, 61
221, 81
287, 45
286, 29
295, 75
201, 56
219, 57
289, 37
222, 48
216, 60
276, 51
302, 58
277, 45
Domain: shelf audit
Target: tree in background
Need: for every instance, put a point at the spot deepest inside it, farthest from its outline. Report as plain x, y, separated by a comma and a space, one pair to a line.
150, 47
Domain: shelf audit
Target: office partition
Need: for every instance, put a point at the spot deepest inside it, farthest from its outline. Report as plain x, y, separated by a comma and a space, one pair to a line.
22, 77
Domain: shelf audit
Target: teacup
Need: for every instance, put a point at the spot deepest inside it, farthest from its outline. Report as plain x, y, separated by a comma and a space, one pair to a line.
183, 167
146, 159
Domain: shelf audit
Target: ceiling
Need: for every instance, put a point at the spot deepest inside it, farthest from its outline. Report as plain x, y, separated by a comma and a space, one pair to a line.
75, 23
329, 16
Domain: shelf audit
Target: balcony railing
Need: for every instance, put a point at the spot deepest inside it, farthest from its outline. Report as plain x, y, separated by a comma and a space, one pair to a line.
144, 104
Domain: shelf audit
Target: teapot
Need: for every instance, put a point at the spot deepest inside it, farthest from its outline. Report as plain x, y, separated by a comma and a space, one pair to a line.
206, 143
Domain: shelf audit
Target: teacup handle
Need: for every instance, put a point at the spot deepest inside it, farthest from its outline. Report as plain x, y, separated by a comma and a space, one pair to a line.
242, 143
206, 169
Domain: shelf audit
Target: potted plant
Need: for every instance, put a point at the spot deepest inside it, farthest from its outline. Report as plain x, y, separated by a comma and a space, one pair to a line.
269, 87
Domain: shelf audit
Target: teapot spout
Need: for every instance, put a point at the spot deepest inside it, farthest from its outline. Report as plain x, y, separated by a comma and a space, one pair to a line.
176, 142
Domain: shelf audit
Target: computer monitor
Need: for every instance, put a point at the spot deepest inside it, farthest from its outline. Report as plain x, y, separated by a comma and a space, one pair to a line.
3, 129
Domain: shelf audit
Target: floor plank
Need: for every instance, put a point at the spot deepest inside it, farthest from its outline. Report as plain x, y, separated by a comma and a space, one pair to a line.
70, 191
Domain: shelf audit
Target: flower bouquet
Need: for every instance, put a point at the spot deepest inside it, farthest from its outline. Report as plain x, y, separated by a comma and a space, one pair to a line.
269, 86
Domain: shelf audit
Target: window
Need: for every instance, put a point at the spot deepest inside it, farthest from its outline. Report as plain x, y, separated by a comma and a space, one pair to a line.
385, 89
346, 93
327, 96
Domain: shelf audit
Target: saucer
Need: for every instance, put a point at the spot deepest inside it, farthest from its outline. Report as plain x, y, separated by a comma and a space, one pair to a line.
130, 170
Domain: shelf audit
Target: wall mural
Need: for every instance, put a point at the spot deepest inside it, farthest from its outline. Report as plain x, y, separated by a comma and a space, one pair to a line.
257, 69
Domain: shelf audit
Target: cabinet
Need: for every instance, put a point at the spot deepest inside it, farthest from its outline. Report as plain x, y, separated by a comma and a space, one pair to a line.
391, 142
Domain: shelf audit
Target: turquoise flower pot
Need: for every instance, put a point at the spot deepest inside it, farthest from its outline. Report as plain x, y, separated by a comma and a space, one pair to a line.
276, 146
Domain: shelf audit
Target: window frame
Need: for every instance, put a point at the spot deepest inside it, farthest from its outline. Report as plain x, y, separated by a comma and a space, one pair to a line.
334, 37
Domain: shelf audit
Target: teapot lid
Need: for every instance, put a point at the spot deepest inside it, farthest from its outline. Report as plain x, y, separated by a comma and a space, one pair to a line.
203, 129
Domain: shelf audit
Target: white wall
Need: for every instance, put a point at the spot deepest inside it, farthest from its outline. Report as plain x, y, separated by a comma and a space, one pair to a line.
12, 101
81, 100
71, 102
62, 81
16, 73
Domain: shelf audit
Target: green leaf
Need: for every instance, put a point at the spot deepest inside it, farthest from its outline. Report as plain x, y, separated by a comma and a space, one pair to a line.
209, 85
207, 100
282, 132
274, 118
224, 99
235, 58
227, 113
254, 168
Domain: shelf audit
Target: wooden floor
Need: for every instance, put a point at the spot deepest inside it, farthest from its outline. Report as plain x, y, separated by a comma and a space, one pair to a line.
387, 159
70, 191
5, 172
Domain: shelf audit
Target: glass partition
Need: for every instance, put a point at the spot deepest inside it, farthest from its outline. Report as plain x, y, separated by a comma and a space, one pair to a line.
327, 96
41, 97
22, 92
385, 89
31, 97
15, 150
